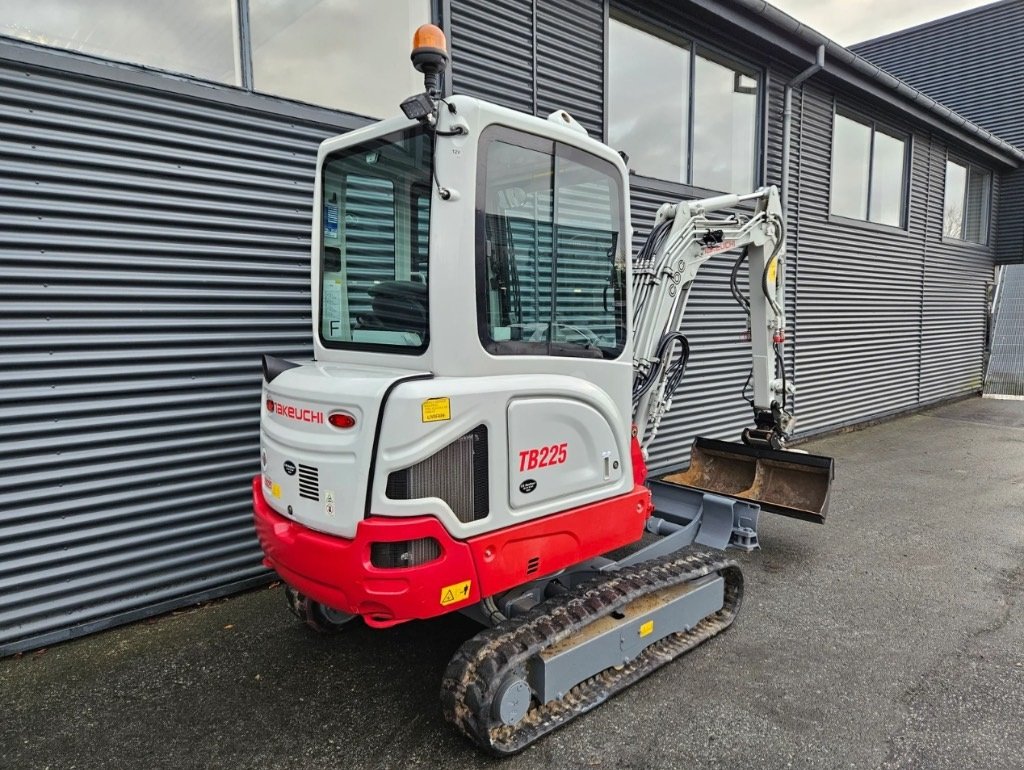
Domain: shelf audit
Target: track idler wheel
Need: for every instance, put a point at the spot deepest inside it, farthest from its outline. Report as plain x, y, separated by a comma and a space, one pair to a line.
513, 700
319, 617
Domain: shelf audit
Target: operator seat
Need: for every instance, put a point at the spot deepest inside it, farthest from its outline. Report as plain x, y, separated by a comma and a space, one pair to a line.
398, 306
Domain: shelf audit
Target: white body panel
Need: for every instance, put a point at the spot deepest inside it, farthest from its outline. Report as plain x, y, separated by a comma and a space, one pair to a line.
584, 403
406, 440
559, 447
455, 349
298, 433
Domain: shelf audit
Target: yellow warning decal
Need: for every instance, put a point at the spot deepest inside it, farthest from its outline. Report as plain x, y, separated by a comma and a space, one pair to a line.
456, 592
275, 489
647, 629
436, 409
773, 269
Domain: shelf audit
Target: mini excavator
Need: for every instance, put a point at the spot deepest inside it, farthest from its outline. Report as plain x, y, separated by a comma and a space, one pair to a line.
490, 370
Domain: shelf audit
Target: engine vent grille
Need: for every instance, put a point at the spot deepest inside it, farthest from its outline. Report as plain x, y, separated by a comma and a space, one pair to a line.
457, 474
309, 482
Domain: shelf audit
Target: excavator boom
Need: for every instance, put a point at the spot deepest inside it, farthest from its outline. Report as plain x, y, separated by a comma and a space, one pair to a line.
683, 238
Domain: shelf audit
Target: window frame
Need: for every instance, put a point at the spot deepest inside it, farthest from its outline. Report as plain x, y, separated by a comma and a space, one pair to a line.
497, 132
906, 177
952, 157
721, 56
239, 92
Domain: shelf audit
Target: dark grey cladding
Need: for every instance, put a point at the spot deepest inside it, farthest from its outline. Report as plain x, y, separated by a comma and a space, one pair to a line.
973, 62
155, 242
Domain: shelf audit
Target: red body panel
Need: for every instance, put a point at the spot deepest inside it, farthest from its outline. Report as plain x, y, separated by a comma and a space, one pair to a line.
636, 456
337, 572
515, 555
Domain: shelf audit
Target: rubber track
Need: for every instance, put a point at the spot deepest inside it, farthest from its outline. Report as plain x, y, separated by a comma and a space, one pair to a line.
478, 668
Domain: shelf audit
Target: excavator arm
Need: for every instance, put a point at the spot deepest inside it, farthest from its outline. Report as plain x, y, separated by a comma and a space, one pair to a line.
683, 238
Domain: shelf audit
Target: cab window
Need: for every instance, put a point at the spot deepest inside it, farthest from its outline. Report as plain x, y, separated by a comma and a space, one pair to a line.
550, 261
375, 256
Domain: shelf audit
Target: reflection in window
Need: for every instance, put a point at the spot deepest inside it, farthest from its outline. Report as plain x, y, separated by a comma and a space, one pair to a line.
193, 37
851, 168
348, 54
966, 207
650, 104
724, 126
553, 262
648, 101
887, 180
868, 172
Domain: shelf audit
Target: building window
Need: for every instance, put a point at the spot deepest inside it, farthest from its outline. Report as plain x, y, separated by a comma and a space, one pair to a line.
550, 253
343, 54
868, 172
967, 202
680, 111
337, 53
192, 37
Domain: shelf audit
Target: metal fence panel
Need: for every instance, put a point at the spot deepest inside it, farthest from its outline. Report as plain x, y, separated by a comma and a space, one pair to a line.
1005, 376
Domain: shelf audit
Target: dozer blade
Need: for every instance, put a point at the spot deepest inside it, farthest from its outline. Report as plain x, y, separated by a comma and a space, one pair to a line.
788, 483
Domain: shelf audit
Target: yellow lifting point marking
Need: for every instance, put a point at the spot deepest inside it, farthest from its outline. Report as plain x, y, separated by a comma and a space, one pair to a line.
436, 409
647, 629
456, 592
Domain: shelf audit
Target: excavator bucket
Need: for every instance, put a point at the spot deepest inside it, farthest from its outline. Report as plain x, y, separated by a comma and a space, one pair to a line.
789, 483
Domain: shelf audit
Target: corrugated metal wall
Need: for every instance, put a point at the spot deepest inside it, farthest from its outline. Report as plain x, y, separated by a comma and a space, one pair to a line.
570, 60
154, 245
1009, 230
549, 56
887, 319
958, 281
499, 68
972, 63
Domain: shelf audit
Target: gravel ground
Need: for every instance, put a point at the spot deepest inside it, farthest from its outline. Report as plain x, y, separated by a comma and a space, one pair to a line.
891, 637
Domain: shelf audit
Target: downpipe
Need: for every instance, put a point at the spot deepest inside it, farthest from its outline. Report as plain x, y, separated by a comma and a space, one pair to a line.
787, 123
787, 147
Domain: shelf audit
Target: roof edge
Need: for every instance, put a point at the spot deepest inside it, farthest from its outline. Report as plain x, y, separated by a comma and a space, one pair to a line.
859, 72
932, 23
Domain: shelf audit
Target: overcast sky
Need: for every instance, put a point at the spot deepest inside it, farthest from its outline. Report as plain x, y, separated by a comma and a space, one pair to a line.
851, 21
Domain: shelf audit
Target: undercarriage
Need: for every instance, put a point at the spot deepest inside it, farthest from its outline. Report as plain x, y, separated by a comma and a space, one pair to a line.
511, 684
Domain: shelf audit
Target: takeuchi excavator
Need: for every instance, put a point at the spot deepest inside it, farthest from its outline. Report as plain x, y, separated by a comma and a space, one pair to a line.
490, 369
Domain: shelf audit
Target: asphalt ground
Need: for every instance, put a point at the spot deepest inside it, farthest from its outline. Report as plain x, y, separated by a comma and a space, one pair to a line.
890, 637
